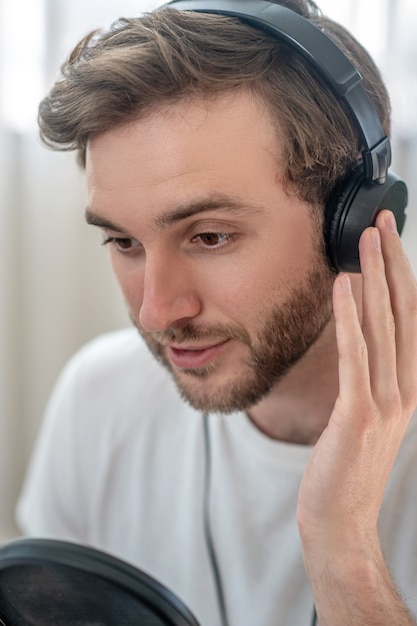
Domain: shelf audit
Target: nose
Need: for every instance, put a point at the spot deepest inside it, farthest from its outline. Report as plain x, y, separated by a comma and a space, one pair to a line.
169, 295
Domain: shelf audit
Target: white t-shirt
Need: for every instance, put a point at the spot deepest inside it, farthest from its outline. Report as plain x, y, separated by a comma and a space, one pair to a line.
119, 465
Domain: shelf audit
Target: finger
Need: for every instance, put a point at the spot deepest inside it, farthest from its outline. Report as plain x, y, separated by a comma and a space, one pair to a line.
403, 295
378, 323
354, 378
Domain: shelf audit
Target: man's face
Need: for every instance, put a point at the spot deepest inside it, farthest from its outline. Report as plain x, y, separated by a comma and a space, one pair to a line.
222, 270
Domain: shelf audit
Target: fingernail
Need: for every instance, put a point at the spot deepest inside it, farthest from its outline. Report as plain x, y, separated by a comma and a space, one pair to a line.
375, 238
390, 222
344, 282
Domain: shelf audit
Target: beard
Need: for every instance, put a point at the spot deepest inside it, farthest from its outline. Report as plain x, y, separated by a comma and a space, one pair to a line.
285, 333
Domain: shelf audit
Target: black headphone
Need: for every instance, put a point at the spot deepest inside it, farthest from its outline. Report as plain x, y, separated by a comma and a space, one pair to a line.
369, 187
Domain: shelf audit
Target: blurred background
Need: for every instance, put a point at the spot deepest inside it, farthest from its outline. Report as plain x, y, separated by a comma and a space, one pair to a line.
56, 287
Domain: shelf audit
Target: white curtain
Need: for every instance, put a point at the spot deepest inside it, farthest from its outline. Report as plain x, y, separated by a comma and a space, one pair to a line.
56, 288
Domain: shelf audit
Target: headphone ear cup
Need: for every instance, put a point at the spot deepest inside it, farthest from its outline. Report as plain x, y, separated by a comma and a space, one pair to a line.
352, 208
335, 212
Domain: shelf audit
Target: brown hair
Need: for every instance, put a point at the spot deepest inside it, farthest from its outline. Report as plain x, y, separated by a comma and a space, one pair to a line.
145, 63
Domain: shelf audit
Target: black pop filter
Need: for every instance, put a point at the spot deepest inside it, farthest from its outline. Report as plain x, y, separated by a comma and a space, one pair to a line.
55, 583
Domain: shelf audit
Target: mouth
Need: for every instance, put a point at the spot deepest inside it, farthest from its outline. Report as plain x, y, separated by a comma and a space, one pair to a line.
193, 357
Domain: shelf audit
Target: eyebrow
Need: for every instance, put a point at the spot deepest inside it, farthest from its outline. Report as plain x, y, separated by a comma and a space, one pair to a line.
93, 218
218, 202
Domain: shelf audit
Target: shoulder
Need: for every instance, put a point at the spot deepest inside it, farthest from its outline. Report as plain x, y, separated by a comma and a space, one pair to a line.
115, 379
401, 492
116, 358
398, 518
113, 407
105, 354
407, 457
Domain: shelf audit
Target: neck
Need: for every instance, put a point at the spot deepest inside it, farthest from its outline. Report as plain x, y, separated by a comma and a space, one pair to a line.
298, 408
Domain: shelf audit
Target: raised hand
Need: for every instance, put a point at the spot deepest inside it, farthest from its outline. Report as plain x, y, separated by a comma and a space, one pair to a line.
345, 480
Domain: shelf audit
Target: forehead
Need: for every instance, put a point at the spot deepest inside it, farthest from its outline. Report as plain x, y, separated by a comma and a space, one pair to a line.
226, 145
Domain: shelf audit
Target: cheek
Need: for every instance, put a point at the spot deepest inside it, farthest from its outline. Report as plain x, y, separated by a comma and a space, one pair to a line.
269, 273
131, 283
240, 289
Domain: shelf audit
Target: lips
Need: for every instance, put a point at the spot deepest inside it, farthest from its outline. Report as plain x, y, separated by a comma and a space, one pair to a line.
194, 358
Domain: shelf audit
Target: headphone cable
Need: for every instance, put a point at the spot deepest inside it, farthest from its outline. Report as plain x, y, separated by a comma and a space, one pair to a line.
208, 532
207, 525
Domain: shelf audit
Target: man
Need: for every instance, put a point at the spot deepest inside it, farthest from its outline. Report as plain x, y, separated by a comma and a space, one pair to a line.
211, 150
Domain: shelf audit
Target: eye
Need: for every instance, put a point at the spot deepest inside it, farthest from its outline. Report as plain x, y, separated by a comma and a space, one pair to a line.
213, 240
124, 245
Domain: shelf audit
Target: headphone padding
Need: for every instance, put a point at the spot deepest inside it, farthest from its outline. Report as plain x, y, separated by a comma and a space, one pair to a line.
352, 208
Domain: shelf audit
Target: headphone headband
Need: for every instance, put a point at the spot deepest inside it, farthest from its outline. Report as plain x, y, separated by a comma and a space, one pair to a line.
327, 58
